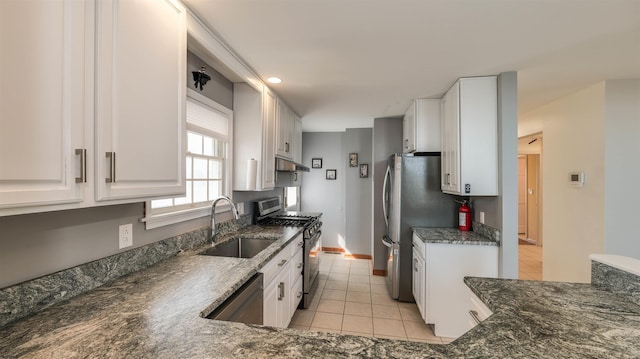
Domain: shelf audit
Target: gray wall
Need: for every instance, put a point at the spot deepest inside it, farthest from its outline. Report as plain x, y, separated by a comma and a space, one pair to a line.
387, 139
34, 245
502, 212
218, 88
322, 195
358, 194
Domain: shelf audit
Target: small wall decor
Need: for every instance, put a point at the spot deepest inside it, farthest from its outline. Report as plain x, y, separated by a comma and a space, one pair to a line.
316, 163
200, 78
353, 160
364, 170
332, 174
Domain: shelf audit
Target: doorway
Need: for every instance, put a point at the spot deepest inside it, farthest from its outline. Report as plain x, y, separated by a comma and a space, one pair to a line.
530, 207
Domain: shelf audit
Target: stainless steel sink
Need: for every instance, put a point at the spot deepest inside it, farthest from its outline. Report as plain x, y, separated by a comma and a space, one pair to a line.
240, 247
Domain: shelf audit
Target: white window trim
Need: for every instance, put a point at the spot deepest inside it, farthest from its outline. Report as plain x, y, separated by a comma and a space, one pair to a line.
169, 218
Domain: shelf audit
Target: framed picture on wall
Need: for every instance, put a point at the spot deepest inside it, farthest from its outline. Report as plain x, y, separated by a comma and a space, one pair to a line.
353, 160
332, 174
364, 170
316, 163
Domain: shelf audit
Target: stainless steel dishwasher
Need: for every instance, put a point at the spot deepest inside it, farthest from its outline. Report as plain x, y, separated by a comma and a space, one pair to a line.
245, 305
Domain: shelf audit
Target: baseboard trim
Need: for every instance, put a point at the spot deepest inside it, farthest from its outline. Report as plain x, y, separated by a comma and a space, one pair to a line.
357, 256
333, 249
381, 272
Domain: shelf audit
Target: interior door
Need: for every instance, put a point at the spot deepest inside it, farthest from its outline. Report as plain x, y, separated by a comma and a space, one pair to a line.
522, 195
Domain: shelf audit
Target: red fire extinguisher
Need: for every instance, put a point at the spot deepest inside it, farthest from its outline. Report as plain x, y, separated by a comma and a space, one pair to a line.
464, 216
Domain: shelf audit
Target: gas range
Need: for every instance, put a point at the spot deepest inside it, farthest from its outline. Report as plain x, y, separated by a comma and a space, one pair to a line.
270, 212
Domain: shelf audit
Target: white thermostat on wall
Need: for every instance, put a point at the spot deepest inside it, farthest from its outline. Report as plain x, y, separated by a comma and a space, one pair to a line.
576, 179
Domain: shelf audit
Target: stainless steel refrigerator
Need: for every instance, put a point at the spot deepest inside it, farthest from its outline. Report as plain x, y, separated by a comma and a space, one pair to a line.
411, 198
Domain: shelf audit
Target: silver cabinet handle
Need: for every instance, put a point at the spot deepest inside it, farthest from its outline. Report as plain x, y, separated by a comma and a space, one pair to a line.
281, 290
406, 144
83, 165
300, 244
448, 178
295, 176
299, 294
299, 265
415, 264
474, 315
286, 147
282, 262
112, 167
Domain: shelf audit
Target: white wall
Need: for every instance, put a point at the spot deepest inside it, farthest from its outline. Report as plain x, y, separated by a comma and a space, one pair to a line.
573, 130
622, 167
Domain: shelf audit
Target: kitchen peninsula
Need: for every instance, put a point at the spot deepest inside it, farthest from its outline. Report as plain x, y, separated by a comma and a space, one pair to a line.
158, 312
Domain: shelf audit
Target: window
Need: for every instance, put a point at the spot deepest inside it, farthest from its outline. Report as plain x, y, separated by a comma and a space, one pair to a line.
208, 169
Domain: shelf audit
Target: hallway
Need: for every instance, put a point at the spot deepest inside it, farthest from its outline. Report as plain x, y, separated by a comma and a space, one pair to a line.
529, 262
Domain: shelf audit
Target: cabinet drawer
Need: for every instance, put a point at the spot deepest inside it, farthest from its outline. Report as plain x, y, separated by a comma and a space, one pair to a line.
419, 245
296, 245
275, 265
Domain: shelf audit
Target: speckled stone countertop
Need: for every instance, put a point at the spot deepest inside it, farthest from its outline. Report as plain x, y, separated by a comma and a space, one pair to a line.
453, 236
156, 313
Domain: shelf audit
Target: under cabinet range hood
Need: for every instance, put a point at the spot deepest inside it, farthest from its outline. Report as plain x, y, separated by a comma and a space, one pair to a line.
285, 165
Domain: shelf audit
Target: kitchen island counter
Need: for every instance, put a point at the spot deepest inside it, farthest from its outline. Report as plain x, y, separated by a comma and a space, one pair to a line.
156, 313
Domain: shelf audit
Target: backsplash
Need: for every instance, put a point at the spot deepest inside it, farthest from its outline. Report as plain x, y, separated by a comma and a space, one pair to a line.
30, 297
486, 231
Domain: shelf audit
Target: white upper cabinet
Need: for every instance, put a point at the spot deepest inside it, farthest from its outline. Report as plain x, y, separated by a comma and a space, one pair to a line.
421, 126
285, 126
140, 98
297, 140
254, 137
42, 101
470, 137
92, 103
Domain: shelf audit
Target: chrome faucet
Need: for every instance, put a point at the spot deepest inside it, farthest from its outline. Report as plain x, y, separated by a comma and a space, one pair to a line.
213, 216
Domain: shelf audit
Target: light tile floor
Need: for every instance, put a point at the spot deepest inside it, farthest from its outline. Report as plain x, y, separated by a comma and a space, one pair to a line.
529, 262
350, 300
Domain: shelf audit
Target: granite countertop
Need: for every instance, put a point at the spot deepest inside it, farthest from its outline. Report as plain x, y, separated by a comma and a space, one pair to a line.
453, 236
156, 313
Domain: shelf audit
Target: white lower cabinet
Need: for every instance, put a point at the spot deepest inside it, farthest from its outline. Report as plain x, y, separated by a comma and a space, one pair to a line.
446, 297
283, 285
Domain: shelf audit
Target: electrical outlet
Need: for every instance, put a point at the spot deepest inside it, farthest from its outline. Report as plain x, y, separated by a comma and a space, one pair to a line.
240, 207
482, 217
126, 235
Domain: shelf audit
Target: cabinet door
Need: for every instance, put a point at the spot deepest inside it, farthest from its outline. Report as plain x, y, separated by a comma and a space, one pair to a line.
270, 304
42, 100
451, 140
409, 128
284, 130
269, 137
419, 282
284, 297
140, 100
297, 139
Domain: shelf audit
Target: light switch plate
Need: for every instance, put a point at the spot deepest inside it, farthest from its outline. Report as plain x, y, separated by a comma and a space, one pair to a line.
240, 207
125, 236
482, 217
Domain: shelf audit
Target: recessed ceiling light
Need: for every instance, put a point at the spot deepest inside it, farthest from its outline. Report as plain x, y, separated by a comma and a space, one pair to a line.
274, 80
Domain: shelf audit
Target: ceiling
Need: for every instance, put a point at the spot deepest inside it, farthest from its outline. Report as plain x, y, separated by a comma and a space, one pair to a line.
345, 62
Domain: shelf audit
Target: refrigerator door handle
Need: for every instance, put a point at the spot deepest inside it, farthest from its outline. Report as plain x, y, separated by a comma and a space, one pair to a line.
384, 196
387, 241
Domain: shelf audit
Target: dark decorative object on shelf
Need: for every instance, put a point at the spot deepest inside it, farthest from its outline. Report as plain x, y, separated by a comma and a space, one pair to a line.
200, 78
316, 163
353, 160
364, 170
332, 174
